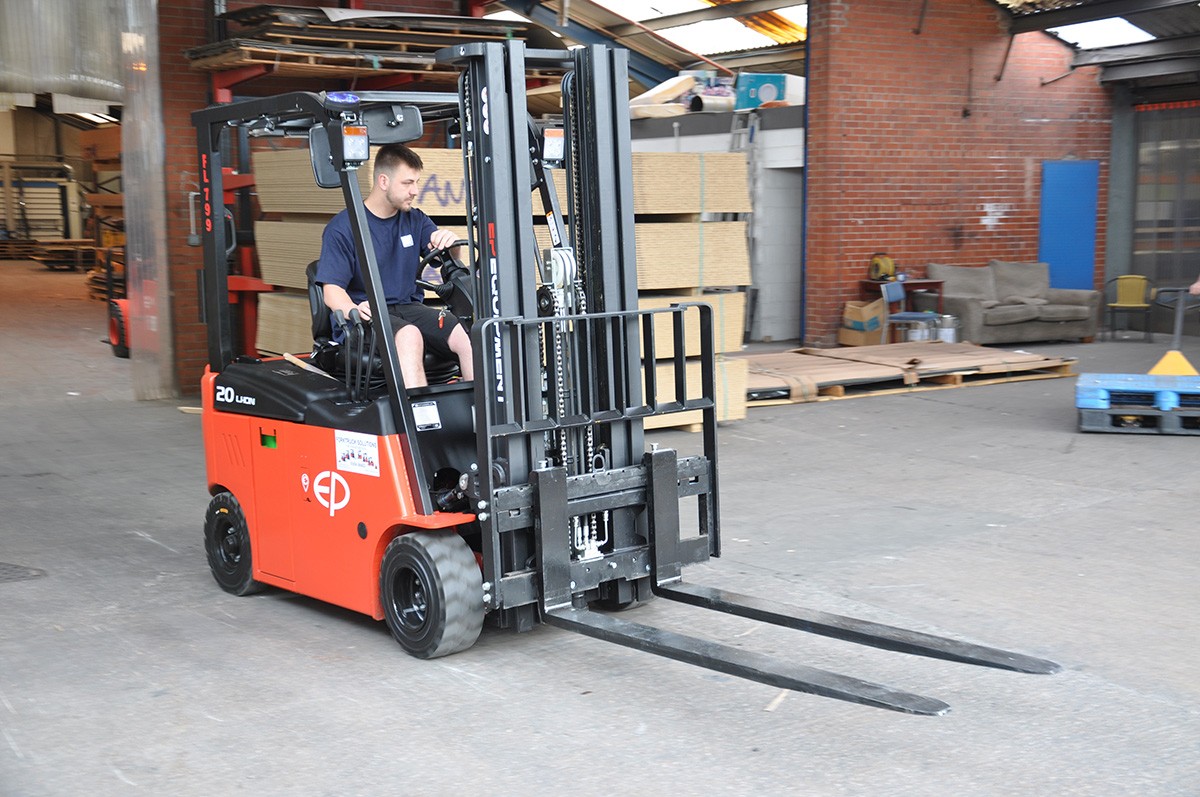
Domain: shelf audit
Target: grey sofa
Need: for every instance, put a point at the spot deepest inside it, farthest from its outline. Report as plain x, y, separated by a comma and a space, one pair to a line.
1012, 303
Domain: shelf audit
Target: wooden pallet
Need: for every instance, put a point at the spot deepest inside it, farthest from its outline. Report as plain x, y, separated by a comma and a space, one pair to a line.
301, 61
17, 249
805, 375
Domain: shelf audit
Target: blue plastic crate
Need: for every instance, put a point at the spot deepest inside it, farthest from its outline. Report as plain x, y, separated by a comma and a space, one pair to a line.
1149, 391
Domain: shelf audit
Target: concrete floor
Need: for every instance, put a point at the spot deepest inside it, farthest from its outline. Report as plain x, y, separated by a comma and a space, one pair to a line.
978, 512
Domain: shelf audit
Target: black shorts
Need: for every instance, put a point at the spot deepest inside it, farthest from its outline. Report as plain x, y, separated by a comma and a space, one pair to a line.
435, 325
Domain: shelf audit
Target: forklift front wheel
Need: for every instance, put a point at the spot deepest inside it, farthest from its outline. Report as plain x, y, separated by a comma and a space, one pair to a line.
227, 543
432, 593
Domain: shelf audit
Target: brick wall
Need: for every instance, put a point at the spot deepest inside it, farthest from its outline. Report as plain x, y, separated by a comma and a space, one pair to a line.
182, 26
916, 149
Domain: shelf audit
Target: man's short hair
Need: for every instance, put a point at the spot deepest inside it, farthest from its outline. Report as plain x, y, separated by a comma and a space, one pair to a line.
390, 156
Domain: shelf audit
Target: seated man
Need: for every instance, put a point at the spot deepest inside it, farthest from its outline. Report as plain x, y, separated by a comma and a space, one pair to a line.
400, 234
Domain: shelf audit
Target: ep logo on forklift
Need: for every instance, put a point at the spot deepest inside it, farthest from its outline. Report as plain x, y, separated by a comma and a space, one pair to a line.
530, 494
331, 490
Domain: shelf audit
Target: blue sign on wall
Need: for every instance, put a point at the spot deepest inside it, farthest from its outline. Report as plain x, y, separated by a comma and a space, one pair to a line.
1067, 227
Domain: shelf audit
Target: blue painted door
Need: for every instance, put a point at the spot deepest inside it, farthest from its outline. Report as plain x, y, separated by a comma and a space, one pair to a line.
1067, 227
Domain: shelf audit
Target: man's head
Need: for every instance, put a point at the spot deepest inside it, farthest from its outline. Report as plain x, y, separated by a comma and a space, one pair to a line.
397, 173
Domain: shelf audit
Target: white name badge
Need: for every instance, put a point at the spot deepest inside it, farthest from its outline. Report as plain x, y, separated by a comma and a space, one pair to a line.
407, 241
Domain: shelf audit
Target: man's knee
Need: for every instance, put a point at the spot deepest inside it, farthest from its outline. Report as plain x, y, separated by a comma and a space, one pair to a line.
409, 337
459, 340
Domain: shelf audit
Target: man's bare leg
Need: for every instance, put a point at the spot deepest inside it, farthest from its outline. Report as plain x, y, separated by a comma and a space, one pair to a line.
460, 344
410, 348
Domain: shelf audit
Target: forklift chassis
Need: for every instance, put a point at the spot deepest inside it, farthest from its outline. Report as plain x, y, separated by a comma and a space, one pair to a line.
528, 495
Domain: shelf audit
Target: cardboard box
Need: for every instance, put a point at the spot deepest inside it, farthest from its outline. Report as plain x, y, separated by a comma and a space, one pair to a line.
855, 337
863, 316
101, 143
755, 89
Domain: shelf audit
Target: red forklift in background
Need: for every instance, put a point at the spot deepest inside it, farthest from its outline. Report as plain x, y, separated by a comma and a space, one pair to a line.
530, 494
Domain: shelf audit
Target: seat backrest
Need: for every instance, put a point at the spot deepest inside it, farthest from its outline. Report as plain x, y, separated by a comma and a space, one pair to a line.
892, 292
1132, 289
322, 325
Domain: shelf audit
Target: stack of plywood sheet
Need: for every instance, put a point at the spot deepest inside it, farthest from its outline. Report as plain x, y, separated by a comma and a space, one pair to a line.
683, 256
284, 323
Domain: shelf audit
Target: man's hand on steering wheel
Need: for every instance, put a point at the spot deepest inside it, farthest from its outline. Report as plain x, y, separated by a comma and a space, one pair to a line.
442, 239
441, 256
441, 247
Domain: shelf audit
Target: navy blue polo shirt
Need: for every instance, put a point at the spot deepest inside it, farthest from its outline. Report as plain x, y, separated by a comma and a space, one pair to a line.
399, 241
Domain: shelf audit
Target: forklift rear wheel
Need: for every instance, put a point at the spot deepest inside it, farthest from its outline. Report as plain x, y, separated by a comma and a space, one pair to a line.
227, 542
432, 592
118, 329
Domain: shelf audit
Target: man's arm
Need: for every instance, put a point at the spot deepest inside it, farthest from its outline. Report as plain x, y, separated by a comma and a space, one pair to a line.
335, 268
336, 298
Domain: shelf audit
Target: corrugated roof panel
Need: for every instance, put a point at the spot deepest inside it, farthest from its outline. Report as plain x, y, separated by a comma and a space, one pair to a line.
716, 36
1167, 22
750, 31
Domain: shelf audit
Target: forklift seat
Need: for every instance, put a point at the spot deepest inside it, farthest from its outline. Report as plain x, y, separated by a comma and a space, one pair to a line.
327, 355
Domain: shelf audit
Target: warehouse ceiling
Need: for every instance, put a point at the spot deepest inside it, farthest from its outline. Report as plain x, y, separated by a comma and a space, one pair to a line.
667, 36
1142, 43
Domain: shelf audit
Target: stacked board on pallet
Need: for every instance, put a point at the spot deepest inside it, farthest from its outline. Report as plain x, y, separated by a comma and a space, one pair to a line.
681, 256
804, 375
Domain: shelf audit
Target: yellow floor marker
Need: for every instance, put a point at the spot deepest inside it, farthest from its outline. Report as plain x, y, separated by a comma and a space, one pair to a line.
1173, 363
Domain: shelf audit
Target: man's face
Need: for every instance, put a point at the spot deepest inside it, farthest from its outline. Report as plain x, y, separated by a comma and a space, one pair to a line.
402, 187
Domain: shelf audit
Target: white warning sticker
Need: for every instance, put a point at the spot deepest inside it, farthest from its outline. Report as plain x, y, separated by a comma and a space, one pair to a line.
357, 453
426, 415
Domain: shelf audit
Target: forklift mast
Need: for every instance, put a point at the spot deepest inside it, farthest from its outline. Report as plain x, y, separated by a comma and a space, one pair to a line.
561, 379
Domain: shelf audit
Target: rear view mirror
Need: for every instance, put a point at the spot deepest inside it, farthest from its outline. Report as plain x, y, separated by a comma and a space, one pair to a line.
322, 159
393, 124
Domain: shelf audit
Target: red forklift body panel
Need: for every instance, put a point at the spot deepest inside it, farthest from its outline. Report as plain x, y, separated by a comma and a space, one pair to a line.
326, 501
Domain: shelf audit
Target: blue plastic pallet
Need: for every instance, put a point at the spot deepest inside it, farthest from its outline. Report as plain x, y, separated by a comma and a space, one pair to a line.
1140, 420
1137, 391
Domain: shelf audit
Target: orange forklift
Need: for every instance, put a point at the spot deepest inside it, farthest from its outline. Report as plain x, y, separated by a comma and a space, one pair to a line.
529, 495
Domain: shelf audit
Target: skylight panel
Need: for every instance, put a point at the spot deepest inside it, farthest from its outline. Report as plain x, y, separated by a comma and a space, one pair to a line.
716, 36
1111, 32
640, 10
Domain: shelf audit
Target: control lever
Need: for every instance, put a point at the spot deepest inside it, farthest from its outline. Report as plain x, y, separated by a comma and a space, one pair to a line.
356, 323
339, 318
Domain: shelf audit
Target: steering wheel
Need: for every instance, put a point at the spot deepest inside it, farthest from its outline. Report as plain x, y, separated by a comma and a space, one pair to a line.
439, 254
445, 262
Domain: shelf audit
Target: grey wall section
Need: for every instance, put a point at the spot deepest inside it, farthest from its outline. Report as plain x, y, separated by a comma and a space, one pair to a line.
776, 162
1122, 187
144, 181
776, 310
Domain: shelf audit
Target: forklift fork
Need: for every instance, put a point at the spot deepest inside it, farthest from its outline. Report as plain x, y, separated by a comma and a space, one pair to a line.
663, 528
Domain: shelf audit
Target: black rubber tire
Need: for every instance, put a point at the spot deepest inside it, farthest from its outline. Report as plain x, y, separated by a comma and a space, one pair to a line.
118, 336
227, 543
432, 593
